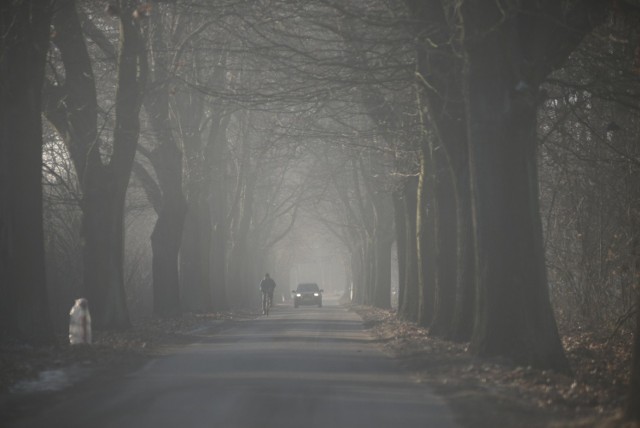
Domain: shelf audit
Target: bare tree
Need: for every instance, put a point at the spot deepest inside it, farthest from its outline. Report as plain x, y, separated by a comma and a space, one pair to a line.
24, 311
72, 108
167, 161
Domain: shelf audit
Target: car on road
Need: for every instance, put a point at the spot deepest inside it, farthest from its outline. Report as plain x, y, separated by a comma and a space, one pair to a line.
307, 293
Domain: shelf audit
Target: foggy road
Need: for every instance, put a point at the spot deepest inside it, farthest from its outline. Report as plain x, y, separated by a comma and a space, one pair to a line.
306, 367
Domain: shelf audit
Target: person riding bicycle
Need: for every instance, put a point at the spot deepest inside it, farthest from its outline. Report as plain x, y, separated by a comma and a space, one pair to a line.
267, 285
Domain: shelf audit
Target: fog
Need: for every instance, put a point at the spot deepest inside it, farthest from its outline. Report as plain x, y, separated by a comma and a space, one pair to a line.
467, 168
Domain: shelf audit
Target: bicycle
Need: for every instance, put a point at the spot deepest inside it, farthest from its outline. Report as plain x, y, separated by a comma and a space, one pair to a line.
267, 302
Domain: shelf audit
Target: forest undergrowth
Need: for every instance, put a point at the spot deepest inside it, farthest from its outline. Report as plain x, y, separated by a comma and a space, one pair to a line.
490, 392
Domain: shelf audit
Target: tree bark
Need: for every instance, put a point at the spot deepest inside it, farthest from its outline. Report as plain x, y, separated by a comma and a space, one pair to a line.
445, 237
382, 205
103, 253
166, 237
204, 248
382, 286
425, 236
408, 305
440, 68
465, 308
24, 310
196, 239
369, 280
632, 409
514, 312
104, 229
217, 155
241, 278
72, 109
194, 256
401, 241
358, 275
166, 159
509, 51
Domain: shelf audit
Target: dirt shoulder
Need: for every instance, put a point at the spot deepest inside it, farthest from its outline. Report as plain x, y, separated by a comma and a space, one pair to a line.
493, 393
21, 367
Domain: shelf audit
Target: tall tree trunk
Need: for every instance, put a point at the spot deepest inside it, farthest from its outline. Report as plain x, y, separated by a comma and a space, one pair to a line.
72, 108
166, 237
241, 279
194, 256
369, 280
382, 286
358, 275
218, 158
196, 239
440, 65
401, 240
203, 258
632, 409
514, 313
24, 310
408, 306
382, 205
219, 264
103, 252
425, 236
464, 313
510, 49
104, 199
446, 249
166, 159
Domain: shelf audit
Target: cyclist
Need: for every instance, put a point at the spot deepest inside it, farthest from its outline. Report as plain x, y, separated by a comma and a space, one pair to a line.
267, 285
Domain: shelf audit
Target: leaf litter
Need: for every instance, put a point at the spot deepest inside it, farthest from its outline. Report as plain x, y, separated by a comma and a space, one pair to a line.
485, 392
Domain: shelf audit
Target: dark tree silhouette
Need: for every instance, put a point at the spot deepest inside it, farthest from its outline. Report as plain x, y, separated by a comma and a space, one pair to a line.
632, 408
485, 80
72, 109
166, 159
24, 38
408, 298
440, 82
164, 192
509, 51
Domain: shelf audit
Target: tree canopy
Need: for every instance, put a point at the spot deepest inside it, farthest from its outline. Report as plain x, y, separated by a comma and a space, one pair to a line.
471, 164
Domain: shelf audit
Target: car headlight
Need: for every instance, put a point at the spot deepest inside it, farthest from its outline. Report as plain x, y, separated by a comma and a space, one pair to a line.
316, 294
298, 295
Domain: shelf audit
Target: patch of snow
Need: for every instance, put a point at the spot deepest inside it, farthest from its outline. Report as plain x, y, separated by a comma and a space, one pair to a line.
50, 380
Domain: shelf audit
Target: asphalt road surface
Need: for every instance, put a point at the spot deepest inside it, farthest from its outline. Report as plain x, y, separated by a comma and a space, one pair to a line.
305, 367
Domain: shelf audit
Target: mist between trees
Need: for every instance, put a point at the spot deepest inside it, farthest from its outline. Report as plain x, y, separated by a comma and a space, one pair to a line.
188, 147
